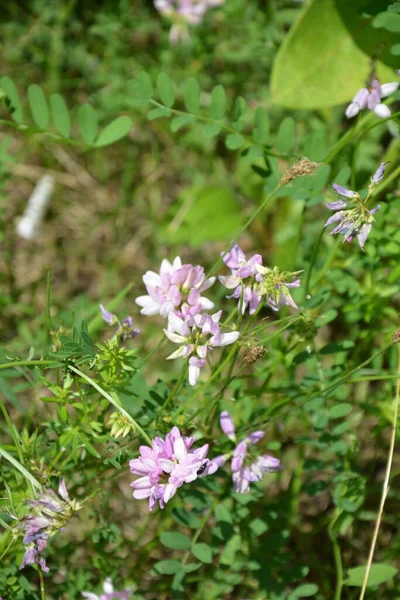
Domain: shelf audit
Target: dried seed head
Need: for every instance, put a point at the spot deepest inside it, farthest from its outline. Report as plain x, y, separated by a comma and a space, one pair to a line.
299, 169
396, 336
253, 355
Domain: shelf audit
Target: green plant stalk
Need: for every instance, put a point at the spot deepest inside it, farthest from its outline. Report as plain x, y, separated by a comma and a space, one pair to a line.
337, 556
228, 129
112, 401
30, 363
176, 388
42, 589
12, 430
47, 314
312, 262
385, 487
20, 468
249, 221
96, 322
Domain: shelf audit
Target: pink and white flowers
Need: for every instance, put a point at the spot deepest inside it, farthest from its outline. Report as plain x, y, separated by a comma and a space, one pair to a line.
252, 282
182, 13
371, 98
167, 465
109, 593
351, 216
175, 288
244, 474
197, 336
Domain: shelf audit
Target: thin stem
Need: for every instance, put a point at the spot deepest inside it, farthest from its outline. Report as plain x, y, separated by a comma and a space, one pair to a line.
248, 139
29, 363
42, 590
176, 388
385, 487
338, 561
312, 262
249, 221
112, 401
20, 468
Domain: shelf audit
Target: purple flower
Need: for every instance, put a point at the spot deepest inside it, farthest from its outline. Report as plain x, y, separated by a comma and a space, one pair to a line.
176, 288
109, 593
354, 219
125, 328
251, 281
371, 98
378, 175
197, 336
167, 465
183, 12
51, 513
243, 474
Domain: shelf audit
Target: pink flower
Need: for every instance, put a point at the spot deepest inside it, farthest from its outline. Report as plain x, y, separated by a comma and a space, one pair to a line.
167, 465
125, 328
243, 474
176, 288
196, 336
371, 98
109, 593
251, 281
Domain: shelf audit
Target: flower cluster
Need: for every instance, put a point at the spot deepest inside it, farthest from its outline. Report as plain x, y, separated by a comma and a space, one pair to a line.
371, 98
109, 593
167, 465
176, 288
125, 328
50, 515
244, 474
197, 336
251, 282
182, 13
354, 219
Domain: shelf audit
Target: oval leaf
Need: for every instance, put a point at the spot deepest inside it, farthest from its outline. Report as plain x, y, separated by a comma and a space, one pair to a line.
203, 552
218, 103
340, 410
379, 573
304, 591
38, 105
261, 126
60, 115
285, 136
234, 141
191, 95
313, 71
168, 567
165, 88
114, 131
88, 123
175, 540
14, 102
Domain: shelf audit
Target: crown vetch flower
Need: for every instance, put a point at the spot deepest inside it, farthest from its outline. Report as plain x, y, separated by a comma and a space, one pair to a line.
196, 336
167, 465
371, 98
182, 13
176, 288
354, 220
125, 328
109, 593
50, 515
252, 282
244, 474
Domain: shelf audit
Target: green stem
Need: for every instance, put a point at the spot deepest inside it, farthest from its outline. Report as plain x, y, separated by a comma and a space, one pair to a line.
111, 401
175, 389
249, 140
47, 316
385, 487
42, 590
312, 262
29, 363
337, 556
20, 468
263, 204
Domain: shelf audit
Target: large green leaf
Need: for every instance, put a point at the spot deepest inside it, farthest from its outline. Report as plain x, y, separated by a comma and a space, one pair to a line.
326, 57
379, 573
207, 214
